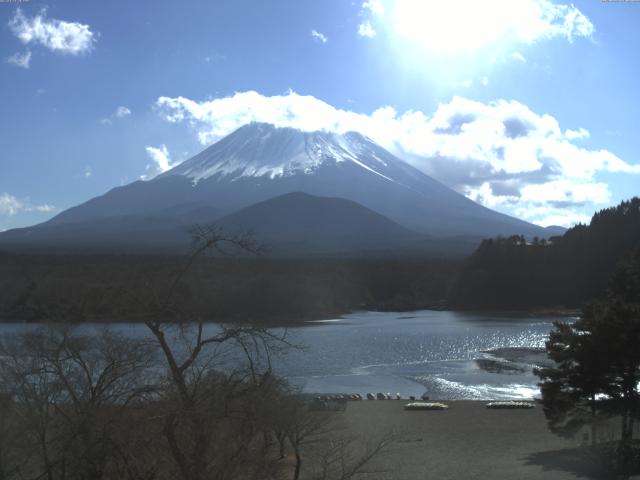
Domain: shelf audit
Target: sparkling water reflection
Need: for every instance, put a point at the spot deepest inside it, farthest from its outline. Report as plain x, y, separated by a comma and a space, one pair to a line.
427, 351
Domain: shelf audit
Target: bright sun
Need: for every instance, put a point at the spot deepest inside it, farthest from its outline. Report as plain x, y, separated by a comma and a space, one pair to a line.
449, 26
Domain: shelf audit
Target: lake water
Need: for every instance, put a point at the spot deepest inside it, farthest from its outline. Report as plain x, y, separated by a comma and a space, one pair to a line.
437, 352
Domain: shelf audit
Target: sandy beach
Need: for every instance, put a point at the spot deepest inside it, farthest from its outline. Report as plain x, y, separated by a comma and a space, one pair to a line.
468, 441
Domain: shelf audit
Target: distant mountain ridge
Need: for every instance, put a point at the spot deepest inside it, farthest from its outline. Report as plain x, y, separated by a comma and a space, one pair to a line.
258, 162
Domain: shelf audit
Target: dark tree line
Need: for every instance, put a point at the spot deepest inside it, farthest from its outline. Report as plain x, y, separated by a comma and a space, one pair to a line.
261, 290
564, 271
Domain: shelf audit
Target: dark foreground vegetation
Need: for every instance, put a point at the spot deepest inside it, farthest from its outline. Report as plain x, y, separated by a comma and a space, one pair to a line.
112, 407
258, 290
184, 402
595, 379
515, 273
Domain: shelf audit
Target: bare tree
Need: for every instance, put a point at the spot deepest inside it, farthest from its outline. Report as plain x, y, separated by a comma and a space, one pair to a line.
7, 430
26, 379
332, 455
212, 371
71, 393
305, 427
343, 458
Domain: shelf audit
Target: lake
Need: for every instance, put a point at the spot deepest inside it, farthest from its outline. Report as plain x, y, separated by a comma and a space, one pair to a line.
441, 353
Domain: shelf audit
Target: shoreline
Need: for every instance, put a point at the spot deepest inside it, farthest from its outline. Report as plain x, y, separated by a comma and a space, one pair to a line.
326, 317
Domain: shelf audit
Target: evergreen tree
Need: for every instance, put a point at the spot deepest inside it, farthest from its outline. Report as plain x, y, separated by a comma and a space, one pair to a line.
569, 390
597, 362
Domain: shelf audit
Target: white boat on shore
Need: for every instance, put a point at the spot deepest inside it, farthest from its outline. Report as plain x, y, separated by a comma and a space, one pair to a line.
425, 406
510, 404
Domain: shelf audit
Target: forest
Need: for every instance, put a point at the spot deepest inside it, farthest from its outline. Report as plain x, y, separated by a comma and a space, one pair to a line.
255, 290
566, 271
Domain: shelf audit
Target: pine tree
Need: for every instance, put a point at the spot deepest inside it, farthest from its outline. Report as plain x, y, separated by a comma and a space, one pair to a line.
597, 362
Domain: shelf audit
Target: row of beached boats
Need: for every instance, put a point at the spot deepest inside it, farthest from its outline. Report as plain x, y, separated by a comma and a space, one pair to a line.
506, 405
339, 402
369, 396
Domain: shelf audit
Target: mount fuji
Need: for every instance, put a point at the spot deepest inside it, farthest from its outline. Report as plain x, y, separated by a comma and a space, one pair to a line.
259, 162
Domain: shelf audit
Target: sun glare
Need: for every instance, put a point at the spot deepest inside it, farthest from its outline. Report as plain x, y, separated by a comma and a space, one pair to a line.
450, 26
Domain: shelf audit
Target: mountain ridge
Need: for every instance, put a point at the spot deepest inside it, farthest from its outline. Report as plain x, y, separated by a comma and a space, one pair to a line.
259, 162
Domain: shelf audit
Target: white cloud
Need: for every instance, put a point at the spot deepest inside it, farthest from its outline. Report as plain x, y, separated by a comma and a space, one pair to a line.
462, 25
59, 36
40, 208
579, 134
366, 30
10, 205
122, 112
468, 83
374, 6
216, 57
161, 161
501, 153
562, 192
22, 60
547, 216
319, 36
518, 57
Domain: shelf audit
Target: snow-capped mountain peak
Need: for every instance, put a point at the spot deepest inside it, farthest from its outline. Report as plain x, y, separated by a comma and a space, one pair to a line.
260, 161
263, 150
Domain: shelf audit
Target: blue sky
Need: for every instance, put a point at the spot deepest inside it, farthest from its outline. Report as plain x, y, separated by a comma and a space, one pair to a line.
527, 106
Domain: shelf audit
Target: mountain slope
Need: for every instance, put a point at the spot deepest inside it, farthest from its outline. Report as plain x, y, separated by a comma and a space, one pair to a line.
260, 161
165, 230
570, 270
299, 222
300, 215
117, 234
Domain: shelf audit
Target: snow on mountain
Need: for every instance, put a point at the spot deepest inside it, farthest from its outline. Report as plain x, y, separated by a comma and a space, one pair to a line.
263, 150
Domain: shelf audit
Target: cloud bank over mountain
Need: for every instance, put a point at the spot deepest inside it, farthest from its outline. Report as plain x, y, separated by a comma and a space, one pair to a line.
160, 161
501, 153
